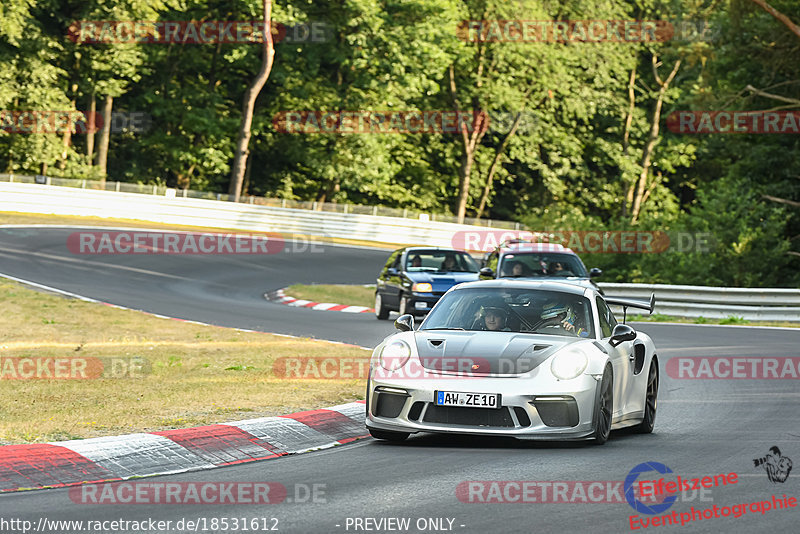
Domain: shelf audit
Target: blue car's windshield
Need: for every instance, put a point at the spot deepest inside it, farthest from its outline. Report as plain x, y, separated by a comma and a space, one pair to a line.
513, 310
451, 261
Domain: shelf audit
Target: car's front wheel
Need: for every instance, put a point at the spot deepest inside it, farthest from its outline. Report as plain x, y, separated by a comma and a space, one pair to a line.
604, 408
381, 312
388, 435
403, 309
650, 400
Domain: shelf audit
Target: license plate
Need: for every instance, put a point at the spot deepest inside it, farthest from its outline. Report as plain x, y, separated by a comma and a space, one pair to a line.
467, 400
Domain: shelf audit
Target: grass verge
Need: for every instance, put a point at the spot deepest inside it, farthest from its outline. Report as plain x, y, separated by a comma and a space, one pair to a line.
730, 320
352, 295
184, 374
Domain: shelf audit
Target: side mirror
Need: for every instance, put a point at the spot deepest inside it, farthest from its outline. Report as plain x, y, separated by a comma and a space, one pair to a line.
594, 272
622, 333
486, 272
391, 271
405, 323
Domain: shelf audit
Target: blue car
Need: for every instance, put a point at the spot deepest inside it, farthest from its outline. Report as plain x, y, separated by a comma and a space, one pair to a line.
414, 278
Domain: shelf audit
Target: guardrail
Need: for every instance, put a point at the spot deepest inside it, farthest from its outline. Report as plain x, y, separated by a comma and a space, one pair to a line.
172, 209
331, 207
754, 304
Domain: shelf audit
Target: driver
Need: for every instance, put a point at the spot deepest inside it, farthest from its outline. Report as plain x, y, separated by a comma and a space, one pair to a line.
494, 316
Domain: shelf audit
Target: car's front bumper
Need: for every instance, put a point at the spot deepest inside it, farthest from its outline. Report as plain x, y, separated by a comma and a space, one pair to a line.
531, 406
421, 303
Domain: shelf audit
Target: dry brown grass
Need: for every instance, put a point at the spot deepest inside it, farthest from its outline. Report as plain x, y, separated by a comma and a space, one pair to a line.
193, 374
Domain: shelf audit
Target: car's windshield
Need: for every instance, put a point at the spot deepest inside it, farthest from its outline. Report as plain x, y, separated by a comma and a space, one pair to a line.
530, 264
513, 310
441, 261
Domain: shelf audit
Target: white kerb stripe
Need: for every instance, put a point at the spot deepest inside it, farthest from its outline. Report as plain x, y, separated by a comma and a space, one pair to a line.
137, 454
286, 434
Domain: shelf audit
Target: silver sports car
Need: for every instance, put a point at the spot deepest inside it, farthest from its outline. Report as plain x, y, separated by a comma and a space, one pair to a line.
520, 358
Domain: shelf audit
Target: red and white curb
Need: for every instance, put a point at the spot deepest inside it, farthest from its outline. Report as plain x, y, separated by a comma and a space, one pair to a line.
66, 463
280, 297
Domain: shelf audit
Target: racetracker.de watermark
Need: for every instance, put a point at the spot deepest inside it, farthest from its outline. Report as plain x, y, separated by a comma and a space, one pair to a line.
71, 368
734, 122
205, 493
417, 368
194, 32
587, 241
734, 367
50, 121
557, 492
565, 31
190, 243
401, 122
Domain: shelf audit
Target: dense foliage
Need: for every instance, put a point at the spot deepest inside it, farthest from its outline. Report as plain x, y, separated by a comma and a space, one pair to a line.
577, 135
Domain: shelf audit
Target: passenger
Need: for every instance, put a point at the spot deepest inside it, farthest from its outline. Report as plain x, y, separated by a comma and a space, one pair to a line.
565, 316
450, 264
555, 267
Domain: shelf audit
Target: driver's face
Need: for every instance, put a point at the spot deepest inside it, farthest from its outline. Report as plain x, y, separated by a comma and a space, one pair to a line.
494, 320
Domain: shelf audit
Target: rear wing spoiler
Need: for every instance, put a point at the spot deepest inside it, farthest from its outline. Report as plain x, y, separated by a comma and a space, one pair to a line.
632, 303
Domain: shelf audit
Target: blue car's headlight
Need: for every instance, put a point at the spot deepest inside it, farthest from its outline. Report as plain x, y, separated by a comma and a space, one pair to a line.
395, 355
569, 364
422, 287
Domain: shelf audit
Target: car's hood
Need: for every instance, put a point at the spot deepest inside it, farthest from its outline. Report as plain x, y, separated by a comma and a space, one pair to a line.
493, 352
441, 282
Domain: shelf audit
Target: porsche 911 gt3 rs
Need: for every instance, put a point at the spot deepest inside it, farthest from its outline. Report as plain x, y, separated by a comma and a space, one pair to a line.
526, 359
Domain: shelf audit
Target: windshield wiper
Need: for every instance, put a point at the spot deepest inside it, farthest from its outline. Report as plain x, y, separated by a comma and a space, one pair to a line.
445, 328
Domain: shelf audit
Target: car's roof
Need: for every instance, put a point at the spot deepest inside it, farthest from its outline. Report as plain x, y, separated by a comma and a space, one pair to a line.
431, 249
518, 283
521, 248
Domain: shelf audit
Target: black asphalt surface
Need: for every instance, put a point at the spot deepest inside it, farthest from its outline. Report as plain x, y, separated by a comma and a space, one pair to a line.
704, 427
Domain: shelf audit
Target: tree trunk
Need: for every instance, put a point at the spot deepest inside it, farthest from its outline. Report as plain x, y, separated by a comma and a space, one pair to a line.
66, 139
652, 141
105, 135
495, 162
470, 142
90, 128
778, 15
242, 144
627, 134
782, 201
464, 173
183, 180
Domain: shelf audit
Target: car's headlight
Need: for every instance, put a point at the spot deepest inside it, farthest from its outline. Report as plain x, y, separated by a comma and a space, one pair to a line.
569, 364
395, 355
422, 287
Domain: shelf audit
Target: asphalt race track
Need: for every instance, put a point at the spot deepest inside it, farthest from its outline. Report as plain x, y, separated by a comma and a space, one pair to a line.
704, 427
225, 290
